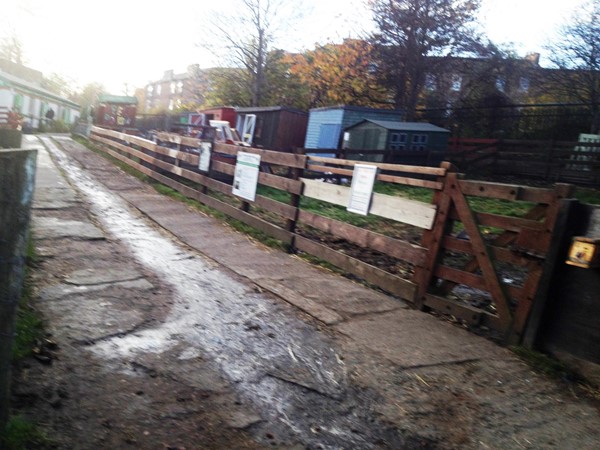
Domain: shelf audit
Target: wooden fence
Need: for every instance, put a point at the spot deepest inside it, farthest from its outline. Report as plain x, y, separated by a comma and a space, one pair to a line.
446, 255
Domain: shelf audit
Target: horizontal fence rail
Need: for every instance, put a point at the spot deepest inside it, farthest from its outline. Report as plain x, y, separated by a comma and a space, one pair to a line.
448, 252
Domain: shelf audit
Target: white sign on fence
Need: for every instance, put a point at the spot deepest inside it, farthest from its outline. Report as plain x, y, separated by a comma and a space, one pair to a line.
245, 179
361, 190
205, 150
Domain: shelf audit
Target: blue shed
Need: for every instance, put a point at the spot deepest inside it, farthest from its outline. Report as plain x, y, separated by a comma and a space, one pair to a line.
325, 125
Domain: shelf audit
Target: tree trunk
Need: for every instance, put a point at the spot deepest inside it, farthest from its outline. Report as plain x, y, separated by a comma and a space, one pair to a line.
17, 175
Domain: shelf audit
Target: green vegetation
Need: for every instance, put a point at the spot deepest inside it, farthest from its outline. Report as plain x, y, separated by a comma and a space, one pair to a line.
586, 195
543, 363
21, 434
29, 327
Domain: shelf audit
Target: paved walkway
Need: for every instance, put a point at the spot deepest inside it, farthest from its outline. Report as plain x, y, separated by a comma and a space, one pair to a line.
439, 363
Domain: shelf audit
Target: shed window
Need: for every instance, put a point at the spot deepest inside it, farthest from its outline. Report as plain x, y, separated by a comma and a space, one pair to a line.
524, 84
397, 141
419, 142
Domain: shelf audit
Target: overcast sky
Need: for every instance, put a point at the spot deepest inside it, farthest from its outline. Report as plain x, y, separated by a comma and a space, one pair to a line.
118, 41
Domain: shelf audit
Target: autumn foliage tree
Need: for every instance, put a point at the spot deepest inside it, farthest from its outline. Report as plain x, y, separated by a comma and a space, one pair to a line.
339, 74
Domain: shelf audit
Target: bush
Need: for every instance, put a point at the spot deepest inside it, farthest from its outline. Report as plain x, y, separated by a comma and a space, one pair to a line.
10, 138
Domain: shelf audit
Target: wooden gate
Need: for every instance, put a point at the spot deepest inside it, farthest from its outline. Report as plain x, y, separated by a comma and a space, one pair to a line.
497, 260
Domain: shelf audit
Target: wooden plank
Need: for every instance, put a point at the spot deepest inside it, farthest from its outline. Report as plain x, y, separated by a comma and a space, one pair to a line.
445, 306
506, 191
266, 156
481, 253
382, 177
285, 184
136, 140
283, 209
189, 158
472, 316
396, 208
515, 224
386, 281
499, 253
461, 277
436, 185
403, 250
435, 171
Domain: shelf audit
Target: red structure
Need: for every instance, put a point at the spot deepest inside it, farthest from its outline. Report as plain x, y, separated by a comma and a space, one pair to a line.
222, 113
116, 112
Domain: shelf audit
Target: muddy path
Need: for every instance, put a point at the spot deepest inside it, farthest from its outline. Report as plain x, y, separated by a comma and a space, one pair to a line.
155, 338
156, 346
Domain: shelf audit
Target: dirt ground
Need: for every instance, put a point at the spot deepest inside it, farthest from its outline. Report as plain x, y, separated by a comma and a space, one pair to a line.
151, 345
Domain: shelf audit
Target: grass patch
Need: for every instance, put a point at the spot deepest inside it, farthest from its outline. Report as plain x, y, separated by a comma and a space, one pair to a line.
21, 434
586, 195
29, 325
545, 364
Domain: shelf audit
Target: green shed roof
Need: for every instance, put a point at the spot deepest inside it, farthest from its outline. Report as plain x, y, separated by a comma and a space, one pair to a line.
118, 99
405, 126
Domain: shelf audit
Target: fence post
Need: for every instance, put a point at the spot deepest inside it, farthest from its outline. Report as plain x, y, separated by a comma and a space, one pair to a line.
432, 239
295, 174
17, 175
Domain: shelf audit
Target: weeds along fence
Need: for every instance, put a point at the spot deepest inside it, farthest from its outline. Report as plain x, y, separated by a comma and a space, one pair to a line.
477, 251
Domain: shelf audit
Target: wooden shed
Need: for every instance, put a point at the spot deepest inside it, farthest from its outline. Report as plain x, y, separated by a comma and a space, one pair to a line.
400, 140
325, 125
273, 127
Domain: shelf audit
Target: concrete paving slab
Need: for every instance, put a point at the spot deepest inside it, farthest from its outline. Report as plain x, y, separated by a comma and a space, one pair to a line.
311, 307
53, 228
411, 339
100, 318
62, 290
342, 295
93, 276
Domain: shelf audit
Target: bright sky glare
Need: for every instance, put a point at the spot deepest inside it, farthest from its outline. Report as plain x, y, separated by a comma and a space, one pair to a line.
129, 41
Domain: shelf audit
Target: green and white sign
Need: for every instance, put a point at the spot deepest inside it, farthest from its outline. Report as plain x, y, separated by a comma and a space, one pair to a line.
245, 178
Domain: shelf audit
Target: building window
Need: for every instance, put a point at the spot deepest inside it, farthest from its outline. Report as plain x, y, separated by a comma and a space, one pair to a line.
524, 84
430, 84
397, 141
17, 103
419, 142
180, 87
171, 105
158, 89
456, 83
150, 90
501, 83
173, 88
